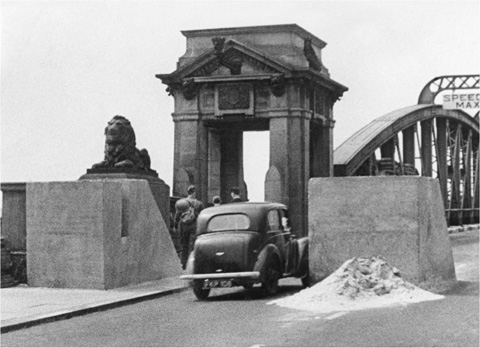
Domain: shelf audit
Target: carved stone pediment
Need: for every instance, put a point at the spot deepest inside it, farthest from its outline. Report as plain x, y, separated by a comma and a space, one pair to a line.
228, 57
236, 63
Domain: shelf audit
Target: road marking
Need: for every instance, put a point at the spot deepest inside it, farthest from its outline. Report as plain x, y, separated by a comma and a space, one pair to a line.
258, 345
336, 315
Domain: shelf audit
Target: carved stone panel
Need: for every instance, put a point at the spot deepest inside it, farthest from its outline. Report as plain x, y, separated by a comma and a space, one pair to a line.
208, 98
262, 97
234, 98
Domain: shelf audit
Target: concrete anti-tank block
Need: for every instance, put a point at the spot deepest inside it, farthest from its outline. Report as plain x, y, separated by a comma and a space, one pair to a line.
96, 235
399, 218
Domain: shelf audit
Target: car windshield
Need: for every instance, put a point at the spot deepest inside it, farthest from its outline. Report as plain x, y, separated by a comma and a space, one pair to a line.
228, 222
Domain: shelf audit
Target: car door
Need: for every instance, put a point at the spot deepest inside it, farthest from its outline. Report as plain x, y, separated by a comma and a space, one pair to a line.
275, 232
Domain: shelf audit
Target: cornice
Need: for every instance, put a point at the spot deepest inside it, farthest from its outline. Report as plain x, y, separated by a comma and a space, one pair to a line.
263, 29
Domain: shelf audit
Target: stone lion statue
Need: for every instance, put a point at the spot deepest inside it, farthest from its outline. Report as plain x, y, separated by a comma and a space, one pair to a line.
120, 150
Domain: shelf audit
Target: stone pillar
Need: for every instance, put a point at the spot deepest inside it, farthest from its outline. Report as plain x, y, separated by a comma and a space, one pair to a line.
231, 164
279, 153
290, 154
214, 158
184, 155
322, 150
202, 163
316, 156
191, 156
328, 147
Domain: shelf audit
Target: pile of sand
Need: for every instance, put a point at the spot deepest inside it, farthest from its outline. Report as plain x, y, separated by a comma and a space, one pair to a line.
359, 283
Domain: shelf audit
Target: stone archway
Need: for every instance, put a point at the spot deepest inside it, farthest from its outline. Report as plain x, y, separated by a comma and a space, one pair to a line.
233, 80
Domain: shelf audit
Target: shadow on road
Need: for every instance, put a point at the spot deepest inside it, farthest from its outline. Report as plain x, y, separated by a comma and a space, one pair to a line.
256, 293
463, 288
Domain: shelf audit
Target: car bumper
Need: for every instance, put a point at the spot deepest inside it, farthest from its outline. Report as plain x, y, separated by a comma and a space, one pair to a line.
249, 275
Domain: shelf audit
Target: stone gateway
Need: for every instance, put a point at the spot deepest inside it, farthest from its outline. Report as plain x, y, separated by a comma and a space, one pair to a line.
262, 78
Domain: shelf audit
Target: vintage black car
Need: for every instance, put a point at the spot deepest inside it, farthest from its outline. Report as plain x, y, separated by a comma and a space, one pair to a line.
241, 244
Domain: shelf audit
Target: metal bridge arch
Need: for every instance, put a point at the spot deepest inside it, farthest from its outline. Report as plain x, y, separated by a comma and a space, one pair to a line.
420, 140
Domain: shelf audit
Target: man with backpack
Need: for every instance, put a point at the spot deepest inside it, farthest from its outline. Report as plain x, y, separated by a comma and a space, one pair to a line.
186, 212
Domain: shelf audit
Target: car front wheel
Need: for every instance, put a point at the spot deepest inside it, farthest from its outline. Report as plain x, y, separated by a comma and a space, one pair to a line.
199, 291
272, 274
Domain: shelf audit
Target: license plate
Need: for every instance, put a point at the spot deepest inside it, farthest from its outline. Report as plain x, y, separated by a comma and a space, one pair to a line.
208, 284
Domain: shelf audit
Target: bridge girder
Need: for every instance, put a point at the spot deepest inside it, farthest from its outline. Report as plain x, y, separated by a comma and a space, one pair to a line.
444, 143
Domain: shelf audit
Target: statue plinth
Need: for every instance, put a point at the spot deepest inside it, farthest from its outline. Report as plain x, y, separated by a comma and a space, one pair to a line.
160, 190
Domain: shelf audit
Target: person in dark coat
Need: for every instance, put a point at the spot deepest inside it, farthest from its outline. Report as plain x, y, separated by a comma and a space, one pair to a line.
235, 193
186, 212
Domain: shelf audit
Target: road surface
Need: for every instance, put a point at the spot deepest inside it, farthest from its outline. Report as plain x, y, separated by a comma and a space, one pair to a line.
235, 317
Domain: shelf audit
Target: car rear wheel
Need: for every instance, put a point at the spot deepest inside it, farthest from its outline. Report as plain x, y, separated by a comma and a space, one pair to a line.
199, 291
272, 274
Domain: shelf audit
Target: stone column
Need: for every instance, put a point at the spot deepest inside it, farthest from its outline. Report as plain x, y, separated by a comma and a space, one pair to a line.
190, 156
321, 149
231, 164
328, 145
290, 154
214, 160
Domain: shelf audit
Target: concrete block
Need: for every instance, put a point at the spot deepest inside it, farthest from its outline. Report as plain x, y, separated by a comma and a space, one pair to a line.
399, 218
99, 234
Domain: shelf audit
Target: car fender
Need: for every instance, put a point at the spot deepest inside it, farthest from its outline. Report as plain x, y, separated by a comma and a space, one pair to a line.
189, 269
268, 251
302, 267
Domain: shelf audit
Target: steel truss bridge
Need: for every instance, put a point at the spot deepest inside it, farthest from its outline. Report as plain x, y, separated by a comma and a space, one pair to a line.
425, 140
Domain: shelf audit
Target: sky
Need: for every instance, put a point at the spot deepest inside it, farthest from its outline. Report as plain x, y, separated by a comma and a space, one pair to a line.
68, 67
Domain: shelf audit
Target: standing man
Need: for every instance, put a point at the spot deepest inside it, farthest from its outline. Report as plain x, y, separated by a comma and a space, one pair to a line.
186, 212
235, 193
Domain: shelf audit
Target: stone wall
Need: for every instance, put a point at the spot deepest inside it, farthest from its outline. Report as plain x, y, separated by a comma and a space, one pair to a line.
399, 218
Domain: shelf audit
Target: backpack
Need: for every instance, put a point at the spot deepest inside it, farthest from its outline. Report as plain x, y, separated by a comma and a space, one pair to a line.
189, 216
